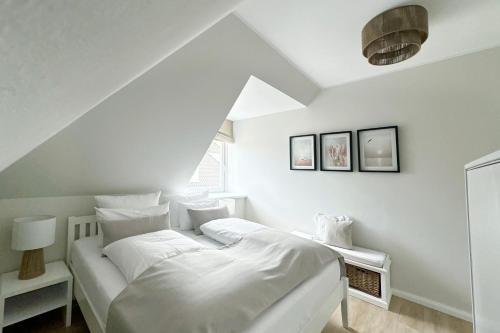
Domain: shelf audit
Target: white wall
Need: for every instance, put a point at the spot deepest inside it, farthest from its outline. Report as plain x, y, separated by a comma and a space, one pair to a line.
153, 133
73, 55
448, 113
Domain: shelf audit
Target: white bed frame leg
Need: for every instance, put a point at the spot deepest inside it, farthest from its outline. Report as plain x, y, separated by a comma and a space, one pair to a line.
343, 306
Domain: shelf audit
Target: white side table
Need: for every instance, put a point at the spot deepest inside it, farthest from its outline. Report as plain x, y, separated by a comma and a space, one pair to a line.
23, 299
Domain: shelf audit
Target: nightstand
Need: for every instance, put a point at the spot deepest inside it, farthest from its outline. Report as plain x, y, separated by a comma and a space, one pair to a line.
23, 299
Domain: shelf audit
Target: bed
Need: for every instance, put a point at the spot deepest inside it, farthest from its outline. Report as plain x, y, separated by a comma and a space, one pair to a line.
306, 308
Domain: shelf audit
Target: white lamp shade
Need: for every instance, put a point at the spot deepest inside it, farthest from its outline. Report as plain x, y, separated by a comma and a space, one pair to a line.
34, 232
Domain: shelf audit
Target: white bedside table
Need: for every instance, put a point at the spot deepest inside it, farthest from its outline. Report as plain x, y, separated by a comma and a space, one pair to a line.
355, 268
23, 299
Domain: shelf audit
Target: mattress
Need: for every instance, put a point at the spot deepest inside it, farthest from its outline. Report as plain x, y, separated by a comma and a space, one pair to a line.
98, 276
102, 282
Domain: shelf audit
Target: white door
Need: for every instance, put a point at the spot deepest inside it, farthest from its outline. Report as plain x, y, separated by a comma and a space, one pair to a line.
483, 187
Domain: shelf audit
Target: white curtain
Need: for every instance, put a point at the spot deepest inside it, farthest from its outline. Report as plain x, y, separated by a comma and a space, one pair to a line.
225, 132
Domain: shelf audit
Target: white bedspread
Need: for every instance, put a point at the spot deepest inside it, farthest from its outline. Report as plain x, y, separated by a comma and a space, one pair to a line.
134, 255
190, 288
102, 282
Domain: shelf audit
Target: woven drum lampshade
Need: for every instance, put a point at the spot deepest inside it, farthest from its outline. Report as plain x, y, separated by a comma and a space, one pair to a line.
395, 35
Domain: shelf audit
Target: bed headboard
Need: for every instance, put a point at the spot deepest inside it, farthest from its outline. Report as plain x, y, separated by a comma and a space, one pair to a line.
80, 227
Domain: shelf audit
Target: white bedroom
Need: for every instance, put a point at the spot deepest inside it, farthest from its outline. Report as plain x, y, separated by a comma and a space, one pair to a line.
249, 166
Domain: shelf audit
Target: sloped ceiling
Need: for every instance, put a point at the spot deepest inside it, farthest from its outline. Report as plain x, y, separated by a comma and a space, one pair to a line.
323, 37
60, 58
152, 133
259, 99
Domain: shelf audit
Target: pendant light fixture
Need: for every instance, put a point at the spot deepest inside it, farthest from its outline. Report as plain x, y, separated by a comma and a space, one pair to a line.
395, 35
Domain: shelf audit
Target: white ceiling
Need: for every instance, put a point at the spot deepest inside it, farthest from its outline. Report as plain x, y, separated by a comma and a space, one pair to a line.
323, 37
60, 58
258, 98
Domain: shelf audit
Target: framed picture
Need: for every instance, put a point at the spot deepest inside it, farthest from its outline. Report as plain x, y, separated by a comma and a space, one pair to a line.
336, 151
303, 152
378, 149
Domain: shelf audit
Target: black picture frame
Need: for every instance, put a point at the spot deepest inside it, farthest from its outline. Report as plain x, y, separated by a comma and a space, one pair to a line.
314, 160
363, 168
322, 157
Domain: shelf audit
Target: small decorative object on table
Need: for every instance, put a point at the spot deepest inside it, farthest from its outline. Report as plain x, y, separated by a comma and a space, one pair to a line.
31, 235
23, 299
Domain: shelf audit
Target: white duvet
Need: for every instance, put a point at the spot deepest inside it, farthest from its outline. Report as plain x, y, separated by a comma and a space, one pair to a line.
230, 230
133, 255
183, 286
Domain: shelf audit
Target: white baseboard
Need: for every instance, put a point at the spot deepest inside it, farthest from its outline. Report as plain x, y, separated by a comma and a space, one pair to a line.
433, 305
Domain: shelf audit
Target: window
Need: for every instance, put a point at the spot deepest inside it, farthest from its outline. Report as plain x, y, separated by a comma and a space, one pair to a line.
211, 173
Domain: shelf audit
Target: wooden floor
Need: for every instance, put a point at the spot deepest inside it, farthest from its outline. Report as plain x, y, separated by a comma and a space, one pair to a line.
402, 317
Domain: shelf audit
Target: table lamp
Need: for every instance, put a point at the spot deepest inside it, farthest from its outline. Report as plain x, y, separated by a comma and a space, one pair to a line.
31, 235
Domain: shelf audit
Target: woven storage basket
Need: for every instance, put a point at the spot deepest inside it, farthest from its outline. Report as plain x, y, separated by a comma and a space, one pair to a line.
364, 280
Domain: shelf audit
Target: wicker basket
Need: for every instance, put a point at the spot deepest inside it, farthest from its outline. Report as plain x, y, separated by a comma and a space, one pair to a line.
364, 280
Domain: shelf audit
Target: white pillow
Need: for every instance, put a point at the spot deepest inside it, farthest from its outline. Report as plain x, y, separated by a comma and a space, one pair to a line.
128, 201
334, 230
116, 214
201, 216
183, 217
185, 198
230, 230
113, 231
120, 214
320, 220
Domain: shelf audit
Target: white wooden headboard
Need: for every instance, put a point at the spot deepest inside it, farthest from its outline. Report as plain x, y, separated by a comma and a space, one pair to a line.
80, 227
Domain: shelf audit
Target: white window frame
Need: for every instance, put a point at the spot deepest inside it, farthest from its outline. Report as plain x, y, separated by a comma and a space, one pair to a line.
223, 170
